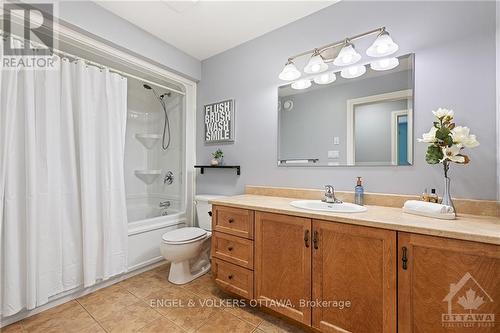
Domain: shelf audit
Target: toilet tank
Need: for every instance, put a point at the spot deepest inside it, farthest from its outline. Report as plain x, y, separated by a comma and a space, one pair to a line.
203, 209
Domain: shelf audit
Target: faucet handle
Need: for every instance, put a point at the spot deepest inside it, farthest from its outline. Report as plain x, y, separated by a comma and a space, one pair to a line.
329, 189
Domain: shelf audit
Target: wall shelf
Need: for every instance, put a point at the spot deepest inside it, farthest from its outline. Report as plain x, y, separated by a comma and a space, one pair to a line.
203, 167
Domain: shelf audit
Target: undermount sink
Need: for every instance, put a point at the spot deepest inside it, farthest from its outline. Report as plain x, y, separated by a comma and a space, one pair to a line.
319, 205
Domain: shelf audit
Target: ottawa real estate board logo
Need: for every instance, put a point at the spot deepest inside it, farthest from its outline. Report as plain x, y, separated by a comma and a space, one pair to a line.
466, 299
28, 35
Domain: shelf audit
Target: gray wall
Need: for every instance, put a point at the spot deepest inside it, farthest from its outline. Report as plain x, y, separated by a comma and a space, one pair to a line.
372, 131
89, 17
454, 46
319, 115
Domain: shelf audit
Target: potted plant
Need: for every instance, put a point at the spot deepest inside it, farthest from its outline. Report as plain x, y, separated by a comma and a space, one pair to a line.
446, 144
218, 157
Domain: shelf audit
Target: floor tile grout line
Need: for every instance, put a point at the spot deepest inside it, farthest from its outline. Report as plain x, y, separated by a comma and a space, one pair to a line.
95, 320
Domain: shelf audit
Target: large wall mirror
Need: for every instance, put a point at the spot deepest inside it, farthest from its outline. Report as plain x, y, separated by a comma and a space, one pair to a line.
366, 120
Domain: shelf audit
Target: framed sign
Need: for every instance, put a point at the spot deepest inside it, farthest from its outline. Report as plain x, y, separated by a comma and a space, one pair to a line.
219, 121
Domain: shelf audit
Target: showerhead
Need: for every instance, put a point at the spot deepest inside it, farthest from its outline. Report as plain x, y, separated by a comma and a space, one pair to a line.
148, 87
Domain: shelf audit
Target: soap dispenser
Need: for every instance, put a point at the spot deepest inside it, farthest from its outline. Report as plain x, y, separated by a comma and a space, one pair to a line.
359, 193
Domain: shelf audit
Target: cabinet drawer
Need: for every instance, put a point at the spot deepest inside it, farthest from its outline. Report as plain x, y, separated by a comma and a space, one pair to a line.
233, 278
234, 249
234, 221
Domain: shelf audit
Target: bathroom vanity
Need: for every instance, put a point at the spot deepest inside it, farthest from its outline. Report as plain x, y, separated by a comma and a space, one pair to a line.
375, 271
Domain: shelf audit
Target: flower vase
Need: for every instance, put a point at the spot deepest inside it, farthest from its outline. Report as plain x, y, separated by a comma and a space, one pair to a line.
447, 200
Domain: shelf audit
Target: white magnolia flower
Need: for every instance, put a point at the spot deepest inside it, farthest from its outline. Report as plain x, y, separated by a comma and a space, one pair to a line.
441, 113
451, 153
461, 136
429, 137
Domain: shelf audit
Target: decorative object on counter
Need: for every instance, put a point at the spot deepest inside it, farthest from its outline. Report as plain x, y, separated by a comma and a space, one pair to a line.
433, 197
219, 122
359, 193
425, 195
446, 144
218, 157
429, 209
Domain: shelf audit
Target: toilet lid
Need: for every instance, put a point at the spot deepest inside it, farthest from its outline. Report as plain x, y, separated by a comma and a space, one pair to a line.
182, 235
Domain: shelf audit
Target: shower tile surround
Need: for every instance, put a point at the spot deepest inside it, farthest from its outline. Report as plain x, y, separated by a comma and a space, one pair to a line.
135, 305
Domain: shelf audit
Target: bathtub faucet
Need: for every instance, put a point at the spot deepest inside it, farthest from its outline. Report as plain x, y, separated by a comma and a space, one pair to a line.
164, 204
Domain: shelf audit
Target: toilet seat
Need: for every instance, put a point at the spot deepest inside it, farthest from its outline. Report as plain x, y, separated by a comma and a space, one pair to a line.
184, 235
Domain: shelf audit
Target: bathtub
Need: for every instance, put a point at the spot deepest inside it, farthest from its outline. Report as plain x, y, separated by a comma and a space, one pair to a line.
146, 226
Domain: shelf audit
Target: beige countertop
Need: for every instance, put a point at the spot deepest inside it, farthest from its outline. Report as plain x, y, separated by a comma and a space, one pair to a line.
484, 229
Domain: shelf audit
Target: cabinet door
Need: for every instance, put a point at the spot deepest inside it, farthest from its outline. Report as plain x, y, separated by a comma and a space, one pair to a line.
353, 264
447, 285
283, 264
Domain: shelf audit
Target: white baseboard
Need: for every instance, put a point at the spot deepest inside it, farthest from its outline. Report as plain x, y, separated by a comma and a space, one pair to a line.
74, 294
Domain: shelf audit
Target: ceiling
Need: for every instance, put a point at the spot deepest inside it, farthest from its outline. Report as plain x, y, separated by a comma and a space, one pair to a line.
205, 28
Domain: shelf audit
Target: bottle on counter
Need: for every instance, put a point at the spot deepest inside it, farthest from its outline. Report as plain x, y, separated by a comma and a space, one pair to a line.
359, 193
425, 196
433, 197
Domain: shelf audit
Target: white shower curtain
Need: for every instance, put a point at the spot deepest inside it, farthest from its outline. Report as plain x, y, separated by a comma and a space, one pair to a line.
62, 212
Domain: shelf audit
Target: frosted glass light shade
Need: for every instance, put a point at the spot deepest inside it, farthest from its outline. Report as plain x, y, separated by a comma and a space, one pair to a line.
325, 78
347, 56
382, 46
301, 84
384, 64
289, 72
315, 65
353, 71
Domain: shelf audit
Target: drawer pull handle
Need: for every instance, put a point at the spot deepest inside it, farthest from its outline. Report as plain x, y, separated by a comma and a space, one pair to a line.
230, 276
209, 213
404, 259
315, 240
306, 238
230, 220
229, 248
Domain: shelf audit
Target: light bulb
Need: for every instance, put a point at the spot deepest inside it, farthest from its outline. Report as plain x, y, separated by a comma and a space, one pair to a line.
347, 56
353, 71
325, 78
384, 64
289, 72
315, 64
382, 46
301, 84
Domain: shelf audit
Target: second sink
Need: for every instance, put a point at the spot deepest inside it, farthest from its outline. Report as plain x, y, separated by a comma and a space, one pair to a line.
319, 205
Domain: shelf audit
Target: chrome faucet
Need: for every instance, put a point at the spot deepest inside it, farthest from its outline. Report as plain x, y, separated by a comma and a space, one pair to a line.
164, 204
330, 195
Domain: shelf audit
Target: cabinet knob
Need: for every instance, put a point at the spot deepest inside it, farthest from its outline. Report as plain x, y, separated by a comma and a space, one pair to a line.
209, 213
231, 220
230, 276
229, 248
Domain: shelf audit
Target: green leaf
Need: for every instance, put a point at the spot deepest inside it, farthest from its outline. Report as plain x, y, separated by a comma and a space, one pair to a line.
434, 155
442, 133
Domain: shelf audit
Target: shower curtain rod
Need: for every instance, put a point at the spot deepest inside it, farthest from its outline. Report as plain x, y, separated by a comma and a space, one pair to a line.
90, 62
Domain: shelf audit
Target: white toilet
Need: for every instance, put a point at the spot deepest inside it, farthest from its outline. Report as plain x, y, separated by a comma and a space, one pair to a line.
188, 248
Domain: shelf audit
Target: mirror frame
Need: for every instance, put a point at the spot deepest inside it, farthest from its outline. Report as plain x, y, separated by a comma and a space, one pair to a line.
350, 132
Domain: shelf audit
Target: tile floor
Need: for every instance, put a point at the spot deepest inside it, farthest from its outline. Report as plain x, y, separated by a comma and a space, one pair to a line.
148, 303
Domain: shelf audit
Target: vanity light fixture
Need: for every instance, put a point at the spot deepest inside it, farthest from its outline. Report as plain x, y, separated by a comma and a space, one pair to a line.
382, 46
325, 78
384, 64
342, 53
289, 72
347, 55
316, 64
301, 84
353, 71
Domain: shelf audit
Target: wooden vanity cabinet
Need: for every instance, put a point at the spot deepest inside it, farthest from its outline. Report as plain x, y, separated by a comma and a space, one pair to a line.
440, 277
354, 269
283, 264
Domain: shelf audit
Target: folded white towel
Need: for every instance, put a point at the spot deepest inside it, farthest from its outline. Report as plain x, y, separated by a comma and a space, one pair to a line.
428, 209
